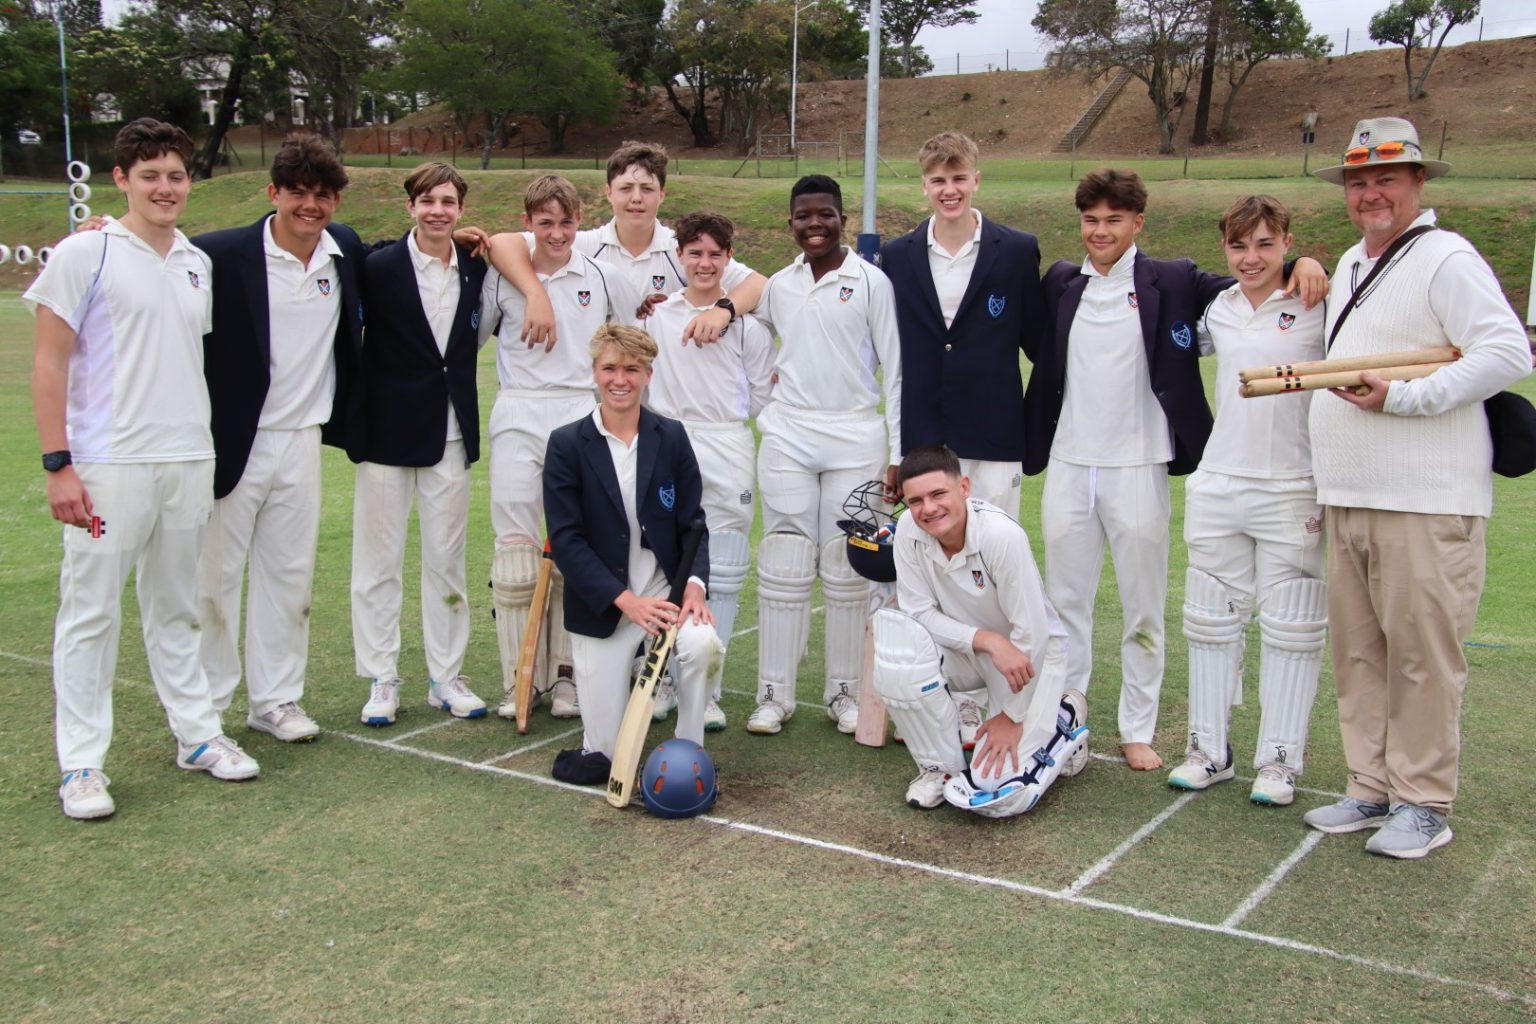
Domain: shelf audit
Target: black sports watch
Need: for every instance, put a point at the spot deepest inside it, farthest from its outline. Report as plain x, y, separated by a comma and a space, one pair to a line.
729, 306
55, 461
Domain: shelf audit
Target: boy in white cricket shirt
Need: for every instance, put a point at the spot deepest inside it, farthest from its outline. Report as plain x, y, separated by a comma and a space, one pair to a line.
1252, 522
823, 435
543, 386
713, 390
973, 616
122, 413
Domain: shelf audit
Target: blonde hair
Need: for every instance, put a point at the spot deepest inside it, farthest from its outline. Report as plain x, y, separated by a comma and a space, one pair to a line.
551, 188
949, 148
630, 341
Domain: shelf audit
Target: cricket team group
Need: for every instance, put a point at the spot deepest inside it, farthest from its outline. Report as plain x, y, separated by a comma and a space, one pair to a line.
183, 390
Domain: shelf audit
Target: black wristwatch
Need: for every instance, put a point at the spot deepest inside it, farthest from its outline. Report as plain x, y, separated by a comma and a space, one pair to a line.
55, 461
729, 306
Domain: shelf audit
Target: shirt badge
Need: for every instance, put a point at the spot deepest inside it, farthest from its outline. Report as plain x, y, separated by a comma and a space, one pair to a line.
325, 285
978, 579
474, 320
659, 282
1130, 297
995, 304
668, 494
844, 294
192, 277
1182, 335
584, 298
1286, 319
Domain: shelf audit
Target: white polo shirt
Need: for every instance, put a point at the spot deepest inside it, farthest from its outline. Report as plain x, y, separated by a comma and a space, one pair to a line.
1259, 437
1107, 372
991, 583
833, 334
626, 461
585, 295
437, 285
303, 311
136, 390
657, 269
952, 273
726, 382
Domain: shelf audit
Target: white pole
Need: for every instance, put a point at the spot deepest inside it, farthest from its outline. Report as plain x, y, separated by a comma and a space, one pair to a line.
869, 238
794, 76
1530, 309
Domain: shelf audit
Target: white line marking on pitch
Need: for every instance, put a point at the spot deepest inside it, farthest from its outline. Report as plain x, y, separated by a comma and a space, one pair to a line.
753, 628
1267, 886
1106, 862
425, 729
1276, 941
27, 659
533, 746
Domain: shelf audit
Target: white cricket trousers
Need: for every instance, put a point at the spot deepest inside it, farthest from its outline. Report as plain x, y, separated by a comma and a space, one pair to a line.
808, 464
1000, 483
1081, 508
271, 520
149, 519
1251, 534
381, 513
604, 666
727, 460
521, 422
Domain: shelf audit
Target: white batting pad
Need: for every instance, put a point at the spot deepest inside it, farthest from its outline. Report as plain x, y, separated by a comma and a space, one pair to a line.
786, 569
846, 594
1214, 629
514, 574
730, 557
907, 676
557, 642
1293, 627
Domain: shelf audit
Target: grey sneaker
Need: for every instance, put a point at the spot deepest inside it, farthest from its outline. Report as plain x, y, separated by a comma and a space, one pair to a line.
286, 722
220, 757
1348, 815
1410, 833
1199, 772
714, 716
84, 794
971, 718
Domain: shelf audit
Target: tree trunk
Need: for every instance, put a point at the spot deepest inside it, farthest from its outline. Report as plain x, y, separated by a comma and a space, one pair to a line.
1413, 88
203, 163
906, 57
1225, 131
556, 124
1199, 136
696, 119
487, 140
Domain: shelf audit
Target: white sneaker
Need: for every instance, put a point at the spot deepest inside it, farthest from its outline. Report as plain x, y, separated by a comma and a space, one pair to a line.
970, 722
927, 790
563, 699
383, 702
454, 697
1200, 772
1076, 702
768, 718
844, 710
286, 722
1274, 787
84, 794
714, 716
220, 757
666, 699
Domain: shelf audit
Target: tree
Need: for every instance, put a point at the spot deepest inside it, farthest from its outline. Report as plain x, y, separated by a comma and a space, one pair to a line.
139, 64
588, 87
630, 28
29, 70
1157, 41
1413, 23
330, 46
1207, 73
1254, 31
902, 20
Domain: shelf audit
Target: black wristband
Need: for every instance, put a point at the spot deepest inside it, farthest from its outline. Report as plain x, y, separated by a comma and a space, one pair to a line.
55, 461
729, 306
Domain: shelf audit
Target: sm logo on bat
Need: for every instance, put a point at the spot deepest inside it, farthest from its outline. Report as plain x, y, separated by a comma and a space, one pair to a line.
615, 786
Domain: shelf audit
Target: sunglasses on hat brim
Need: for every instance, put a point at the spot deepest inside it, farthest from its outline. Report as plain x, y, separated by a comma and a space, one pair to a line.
1385, 151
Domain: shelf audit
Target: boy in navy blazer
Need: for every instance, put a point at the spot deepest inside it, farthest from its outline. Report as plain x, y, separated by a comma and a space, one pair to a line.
621, 490
1115, 405
422, 429
968, 301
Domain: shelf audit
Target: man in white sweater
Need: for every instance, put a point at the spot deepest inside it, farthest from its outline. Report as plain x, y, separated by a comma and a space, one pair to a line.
1403, 471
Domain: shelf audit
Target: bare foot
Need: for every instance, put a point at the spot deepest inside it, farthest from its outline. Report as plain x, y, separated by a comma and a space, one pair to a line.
1141, 757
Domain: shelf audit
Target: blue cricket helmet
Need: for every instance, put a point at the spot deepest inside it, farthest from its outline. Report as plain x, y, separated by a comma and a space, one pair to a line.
678, 780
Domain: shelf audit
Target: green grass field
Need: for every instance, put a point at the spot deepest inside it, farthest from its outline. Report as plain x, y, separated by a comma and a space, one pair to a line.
433, 871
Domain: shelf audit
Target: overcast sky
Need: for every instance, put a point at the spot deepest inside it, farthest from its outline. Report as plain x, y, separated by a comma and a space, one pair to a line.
1004, 26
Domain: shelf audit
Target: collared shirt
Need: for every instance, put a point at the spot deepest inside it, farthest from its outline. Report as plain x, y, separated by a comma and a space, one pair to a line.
1109, 415
726, 382
643, 568
992, 583
585, 295
834, 334
952, 271
136, 391
437, 285
1263, 438
303, 312
657, 270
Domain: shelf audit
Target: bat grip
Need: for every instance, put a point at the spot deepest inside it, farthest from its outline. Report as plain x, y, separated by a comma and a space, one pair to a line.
691, 544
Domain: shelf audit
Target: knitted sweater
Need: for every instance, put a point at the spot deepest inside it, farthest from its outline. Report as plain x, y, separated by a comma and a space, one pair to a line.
1428, 450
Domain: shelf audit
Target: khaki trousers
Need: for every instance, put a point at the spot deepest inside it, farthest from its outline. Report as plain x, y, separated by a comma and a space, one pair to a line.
1403, 590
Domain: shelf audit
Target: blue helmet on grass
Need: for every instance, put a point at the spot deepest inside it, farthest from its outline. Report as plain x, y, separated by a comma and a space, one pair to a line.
678, 780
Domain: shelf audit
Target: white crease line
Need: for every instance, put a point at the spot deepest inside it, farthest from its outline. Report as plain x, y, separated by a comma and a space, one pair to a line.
798, 703
753, 629
533, 746
1106, 862
1269, 884
425, 729
999, 883
27, 659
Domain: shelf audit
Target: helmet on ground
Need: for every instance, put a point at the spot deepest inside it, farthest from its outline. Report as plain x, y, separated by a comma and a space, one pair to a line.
870, 529
678, 780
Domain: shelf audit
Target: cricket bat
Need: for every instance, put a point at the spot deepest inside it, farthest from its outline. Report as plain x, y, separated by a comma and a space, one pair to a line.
871, 728
528, 656
642, 699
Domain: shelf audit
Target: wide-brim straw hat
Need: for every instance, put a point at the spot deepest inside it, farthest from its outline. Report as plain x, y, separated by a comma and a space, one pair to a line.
1374, 132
